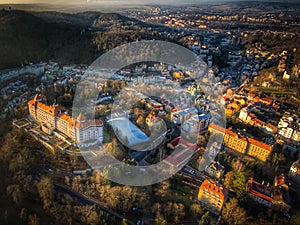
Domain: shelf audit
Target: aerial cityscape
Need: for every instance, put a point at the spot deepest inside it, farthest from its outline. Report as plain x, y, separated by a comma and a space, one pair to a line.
116, 113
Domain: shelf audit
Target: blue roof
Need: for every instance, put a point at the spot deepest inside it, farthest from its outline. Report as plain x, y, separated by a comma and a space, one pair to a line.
128, 129
203, 116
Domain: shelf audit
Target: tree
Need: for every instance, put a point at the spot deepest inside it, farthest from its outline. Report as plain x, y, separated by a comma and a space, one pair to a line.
76, 184
24, 214
295, 219
86, 214
229, 178
233, 214
46, 191
33, 220
15, 193
196, 210
277, 158
178, 211
162, 189
160, 220
124, 221
92, 218
205, 219
127, 198
67, 180
156, 208
240, 185
237, 165
143, 199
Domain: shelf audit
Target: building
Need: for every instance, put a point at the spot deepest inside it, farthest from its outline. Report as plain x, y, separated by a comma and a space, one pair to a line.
231, 139
179, 117
259, 193
212, 196
36, 69
215, 170
242, 145
152, 120
244, 116
289, 128
152, 104
197, 123
54, 119
294, 173
259, 149
292, 149
275, 197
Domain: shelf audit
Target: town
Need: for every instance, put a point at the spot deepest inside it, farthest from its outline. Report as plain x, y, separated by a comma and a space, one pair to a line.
230, 140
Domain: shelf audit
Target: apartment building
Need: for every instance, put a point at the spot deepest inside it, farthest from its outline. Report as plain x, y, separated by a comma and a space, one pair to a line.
212, 196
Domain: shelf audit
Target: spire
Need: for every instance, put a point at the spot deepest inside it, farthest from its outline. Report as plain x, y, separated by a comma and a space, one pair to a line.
39, 98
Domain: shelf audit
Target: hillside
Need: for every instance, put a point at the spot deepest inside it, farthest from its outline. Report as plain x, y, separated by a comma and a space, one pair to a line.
62, 37
24, 36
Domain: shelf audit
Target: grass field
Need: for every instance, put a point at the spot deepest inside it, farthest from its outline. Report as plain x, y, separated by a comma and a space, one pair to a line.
275, 91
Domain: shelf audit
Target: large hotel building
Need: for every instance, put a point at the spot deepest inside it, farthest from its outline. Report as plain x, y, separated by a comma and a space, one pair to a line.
82, 131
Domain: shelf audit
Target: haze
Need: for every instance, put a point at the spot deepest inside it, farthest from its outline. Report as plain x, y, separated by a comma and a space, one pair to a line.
120, 2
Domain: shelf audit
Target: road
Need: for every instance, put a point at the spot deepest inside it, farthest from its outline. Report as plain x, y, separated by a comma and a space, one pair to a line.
192, 177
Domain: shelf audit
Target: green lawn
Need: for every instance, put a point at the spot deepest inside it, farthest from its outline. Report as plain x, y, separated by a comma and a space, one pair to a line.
275, 91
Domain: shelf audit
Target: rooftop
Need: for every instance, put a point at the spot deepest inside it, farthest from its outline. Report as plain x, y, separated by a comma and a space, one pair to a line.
260, 144
129, 130
215, 189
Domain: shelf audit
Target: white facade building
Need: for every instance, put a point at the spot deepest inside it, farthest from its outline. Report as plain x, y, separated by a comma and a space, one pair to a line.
82, 131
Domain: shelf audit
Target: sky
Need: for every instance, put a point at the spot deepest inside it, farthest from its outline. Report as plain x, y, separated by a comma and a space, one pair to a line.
118, 1
105, 5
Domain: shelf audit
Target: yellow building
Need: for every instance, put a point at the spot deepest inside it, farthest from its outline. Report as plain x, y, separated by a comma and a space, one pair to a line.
259, 149
236, 143
231, 139
212, 196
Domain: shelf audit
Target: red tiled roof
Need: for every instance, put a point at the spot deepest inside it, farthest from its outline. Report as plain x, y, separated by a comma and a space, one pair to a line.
253, 190
56, 111
251, 95
222, 129
88, 123
31, 102
216, 127
214, 188
271, 126
256, 99
268, 100
251, 115
260, 144
258, 121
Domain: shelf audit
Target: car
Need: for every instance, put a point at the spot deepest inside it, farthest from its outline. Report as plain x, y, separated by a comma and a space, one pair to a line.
192, 171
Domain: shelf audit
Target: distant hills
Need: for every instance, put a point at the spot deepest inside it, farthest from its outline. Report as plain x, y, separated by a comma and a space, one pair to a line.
67, 38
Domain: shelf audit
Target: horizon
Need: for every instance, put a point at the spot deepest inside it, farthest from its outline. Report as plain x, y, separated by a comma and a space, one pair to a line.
114, 5
132, 2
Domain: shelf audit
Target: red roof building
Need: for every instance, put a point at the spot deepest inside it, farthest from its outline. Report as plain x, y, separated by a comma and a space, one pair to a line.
82, 131
212, 196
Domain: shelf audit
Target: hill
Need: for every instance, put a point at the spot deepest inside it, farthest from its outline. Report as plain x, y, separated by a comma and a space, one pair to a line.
63, 37
24, 36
